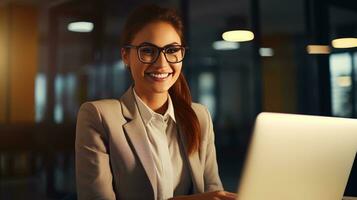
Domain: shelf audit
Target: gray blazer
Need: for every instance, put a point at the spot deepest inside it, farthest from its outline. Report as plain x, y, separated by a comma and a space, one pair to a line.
113, 159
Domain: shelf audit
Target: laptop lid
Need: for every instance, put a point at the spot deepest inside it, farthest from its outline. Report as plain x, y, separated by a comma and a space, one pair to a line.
295, 157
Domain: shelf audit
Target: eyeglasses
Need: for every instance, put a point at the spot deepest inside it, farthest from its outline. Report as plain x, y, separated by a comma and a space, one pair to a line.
149, 53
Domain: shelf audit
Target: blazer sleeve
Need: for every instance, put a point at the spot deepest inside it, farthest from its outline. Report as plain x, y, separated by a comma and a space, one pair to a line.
93, 174
211, 175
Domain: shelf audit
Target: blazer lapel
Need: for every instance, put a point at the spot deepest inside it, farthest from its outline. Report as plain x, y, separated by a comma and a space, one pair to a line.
136, 132
194, 165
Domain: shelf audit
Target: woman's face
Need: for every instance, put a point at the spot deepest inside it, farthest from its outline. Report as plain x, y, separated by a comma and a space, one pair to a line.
159, 76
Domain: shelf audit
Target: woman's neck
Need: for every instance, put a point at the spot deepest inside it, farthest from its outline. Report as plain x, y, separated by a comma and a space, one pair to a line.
156, 101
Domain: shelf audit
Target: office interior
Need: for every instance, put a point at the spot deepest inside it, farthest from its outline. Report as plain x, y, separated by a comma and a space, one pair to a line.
49, 67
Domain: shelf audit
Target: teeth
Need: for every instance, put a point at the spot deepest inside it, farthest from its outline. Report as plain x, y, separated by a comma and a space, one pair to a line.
159, 75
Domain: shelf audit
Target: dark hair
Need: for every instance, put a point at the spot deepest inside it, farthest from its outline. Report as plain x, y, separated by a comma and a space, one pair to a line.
179, 92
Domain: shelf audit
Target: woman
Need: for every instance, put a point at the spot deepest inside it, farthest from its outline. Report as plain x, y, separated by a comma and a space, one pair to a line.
152, 143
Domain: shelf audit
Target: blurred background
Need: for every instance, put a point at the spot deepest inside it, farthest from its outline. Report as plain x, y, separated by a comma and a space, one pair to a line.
50, 64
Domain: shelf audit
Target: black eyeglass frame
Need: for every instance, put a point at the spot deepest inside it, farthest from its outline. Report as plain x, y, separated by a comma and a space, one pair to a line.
161, 49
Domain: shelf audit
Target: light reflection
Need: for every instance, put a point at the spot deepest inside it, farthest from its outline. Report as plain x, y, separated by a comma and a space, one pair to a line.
341, 71
40, 97
266, 52
206, 85
70, 103
225, 45
58, 111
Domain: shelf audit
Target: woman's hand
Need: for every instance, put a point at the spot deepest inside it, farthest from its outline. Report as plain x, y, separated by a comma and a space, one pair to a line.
216, 195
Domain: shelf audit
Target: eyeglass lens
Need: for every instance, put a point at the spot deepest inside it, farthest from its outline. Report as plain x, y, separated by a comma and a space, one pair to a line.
149, 54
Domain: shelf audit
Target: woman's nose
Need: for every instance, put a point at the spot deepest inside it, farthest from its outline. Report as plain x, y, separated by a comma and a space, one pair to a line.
161, 60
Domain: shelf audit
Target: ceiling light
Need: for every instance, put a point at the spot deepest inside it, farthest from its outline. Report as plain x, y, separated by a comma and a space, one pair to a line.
344, 43
266, 52
318, 49
225, 45
81, 27
238, 36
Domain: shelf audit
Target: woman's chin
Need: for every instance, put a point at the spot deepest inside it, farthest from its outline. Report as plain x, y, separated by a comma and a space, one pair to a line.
160, 89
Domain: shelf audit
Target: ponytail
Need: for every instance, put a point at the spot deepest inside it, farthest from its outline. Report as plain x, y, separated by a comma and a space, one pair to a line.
187, 118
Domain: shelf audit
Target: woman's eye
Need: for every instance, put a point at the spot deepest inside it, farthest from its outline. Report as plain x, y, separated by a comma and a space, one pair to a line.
147, 50
172, 50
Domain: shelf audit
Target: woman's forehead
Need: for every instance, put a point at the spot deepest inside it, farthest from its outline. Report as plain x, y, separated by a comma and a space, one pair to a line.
158, 33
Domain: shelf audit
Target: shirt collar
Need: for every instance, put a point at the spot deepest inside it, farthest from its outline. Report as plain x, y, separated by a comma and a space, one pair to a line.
147, 113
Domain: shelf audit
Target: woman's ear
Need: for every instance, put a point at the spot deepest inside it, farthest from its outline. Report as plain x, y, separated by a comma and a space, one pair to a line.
125, 56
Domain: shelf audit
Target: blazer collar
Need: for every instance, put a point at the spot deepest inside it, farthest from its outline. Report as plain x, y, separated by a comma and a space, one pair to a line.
129, 107
136, 132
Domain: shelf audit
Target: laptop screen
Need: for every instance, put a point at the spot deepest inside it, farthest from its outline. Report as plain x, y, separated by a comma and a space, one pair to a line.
299, 157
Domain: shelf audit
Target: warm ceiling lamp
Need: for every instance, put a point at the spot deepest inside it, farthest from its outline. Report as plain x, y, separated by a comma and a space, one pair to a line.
238, 36
318, 49
81, 27
344, 43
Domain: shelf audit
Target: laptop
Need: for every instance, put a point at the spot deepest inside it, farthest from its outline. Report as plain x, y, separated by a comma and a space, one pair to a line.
298, 157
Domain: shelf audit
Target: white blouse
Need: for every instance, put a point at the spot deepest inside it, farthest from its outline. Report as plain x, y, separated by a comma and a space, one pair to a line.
172, 171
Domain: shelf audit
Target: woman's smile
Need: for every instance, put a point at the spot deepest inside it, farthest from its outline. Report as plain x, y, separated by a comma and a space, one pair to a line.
158, 76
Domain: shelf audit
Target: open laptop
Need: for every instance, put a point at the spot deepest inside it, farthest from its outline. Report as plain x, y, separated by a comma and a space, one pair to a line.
298, 157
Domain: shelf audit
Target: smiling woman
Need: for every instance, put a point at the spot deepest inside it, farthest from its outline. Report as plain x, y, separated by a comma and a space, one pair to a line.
152, 143
154, 79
